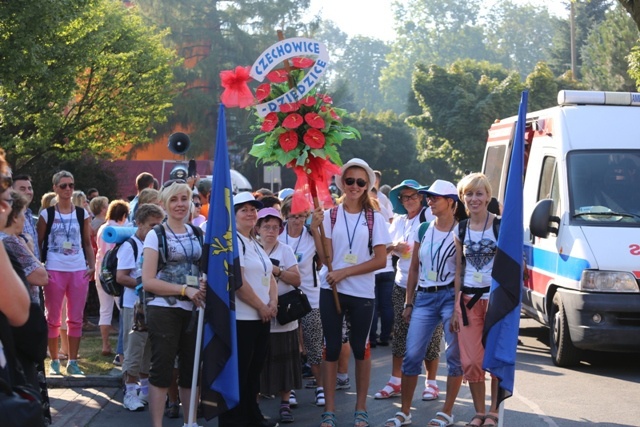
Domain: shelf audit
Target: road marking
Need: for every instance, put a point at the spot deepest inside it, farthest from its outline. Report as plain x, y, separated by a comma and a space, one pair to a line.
535, 409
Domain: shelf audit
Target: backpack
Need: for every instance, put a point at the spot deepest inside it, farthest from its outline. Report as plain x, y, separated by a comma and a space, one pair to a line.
368, 214
423, 229
163, 251
109, 268
462, 228
51, 216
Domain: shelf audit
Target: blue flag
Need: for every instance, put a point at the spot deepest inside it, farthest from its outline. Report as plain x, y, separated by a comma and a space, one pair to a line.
502, 321
220, 389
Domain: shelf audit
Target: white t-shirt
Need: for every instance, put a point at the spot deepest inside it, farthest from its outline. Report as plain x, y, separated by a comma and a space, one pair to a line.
64, 230
257, 270
126, 261
355, 230
304, 249
386, 208
437, 257
182, 249
403, 230
479, 251
287, 258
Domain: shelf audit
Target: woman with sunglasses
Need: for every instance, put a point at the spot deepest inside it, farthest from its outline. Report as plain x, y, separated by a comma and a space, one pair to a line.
175, 288
475, 256
281, 372
303, 242
196, 218
430, 301
256, 306
356, 240
64, 236
410, 211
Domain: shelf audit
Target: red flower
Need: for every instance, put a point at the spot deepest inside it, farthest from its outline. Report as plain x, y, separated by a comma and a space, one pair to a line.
333, 114
278, 76
263, 91
314, 120
302, 62
308, 101
314, 138
270, 122
325, 98
288, 140
292, 121
236, 91
288, 108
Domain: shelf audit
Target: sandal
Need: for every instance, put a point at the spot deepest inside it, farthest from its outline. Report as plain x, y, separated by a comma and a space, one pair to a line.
389, 390
361, 419
476, 417
286, 416
446, 421
431, 392
493, 419
398, 420
328, 419
320, 397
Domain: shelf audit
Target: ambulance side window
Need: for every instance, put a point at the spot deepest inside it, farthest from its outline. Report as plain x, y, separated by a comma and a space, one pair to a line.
549, 185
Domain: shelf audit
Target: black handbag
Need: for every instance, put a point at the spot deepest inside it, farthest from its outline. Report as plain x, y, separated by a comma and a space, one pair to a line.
292, 306
20, 406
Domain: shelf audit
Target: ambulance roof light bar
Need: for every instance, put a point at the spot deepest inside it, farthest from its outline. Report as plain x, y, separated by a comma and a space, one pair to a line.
588, 97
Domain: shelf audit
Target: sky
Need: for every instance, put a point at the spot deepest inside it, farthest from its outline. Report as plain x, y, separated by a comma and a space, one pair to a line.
357, 17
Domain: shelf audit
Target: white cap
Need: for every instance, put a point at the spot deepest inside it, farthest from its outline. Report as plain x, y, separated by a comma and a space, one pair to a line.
361, 164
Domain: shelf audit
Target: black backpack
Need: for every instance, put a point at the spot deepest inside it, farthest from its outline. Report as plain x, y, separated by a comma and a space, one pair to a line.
51, 216
109, 268
163, 253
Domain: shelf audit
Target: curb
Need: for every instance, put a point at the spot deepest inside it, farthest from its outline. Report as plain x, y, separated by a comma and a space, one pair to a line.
112, 379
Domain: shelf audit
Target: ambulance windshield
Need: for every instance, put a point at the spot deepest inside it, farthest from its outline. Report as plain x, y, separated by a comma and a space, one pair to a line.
604, 186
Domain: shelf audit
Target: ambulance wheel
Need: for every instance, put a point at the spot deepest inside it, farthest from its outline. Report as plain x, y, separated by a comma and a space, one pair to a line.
563, 352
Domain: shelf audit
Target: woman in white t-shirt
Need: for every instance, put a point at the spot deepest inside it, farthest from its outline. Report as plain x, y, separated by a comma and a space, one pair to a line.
473, 283
256, 306
281, 372
304, 242
176, 287
356, 241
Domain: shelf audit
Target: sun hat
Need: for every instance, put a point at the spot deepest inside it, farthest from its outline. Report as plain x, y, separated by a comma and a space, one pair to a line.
441, 188
284, 193
361, 164
265, 212
246, 197
394, 195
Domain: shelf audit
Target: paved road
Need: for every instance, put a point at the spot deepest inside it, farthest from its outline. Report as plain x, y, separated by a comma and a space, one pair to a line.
603, 391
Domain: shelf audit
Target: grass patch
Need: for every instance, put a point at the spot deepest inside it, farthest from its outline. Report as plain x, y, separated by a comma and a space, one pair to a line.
91, 360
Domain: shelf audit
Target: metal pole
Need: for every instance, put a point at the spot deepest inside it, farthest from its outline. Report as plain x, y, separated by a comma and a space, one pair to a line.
196, 368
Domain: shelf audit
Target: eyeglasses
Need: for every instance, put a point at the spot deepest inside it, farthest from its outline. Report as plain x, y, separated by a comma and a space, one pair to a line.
297, 217
197, 205
434, 198
64, 186
270, 227
5, 182
404, 198
361, 182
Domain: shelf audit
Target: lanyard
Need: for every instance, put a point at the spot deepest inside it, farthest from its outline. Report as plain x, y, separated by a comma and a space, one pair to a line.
264, 264
437, 254
481, 236
405, 235
66, 231
189, 258
346, 224
286, 237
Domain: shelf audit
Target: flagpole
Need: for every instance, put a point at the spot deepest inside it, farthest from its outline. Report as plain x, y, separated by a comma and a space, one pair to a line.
501, 414
196, 367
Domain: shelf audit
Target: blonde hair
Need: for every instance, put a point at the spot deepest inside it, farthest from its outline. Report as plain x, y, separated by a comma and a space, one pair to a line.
47, 200
176, 188
148, 195
473, 182
97, 204
78, 198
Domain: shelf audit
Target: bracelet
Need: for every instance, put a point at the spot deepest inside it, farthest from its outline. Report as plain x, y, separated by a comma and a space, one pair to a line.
184, 290
408, 306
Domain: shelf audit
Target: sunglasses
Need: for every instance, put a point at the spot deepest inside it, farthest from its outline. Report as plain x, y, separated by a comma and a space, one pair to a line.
64, 186
434, 198
361, 182
197, 205
404, 198
5, 183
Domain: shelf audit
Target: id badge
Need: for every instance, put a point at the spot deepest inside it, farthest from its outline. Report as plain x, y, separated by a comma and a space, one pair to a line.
406, 255
192, 281
299, 257
477, 277
351, 258
432, 275
265, 281
67, 245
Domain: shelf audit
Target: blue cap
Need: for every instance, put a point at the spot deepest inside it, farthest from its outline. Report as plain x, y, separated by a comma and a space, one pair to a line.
394, 195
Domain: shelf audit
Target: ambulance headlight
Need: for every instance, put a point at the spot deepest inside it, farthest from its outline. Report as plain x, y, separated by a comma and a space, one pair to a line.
608, 281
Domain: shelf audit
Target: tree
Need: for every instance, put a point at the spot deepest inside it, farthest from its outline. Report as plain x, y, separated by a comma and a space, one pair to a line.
605, 54
633, 8
89, 79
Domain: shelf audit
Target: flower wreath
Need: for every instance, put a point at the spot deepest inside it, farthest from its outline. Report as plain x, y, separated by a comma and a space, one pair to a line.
303, 135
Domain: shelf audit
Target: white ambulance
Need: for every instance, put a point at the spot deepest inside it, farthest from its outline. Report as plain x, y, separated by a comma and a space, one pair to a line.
581, 219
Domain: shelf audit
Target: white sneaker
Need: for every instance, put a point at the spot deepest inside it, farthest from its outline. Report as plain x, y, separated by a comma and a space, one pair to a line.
293, 400
132, 402
144, 397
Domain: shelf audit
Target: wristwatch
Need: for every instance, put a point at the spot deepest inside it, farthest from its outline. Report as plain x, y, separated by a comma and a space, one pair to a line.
408, 305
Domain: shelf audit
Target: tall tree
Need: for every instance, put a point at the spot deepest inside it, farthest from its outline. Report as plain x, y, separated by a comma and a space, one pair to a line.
89, 77
633, 8
605, 55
